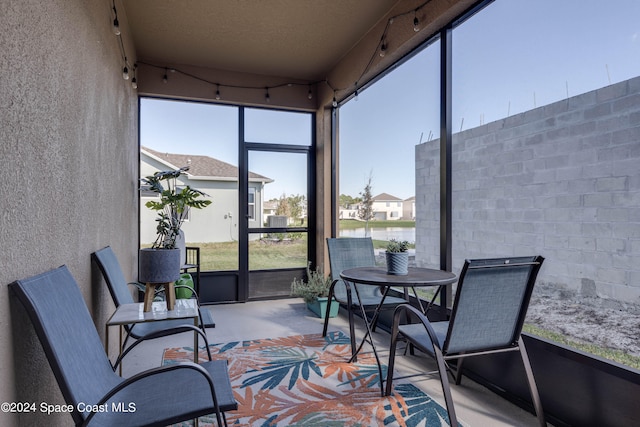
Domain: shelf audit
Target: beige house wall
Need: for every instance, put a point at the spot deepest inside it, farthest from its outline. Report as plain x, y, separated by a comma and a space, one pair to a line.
68, 144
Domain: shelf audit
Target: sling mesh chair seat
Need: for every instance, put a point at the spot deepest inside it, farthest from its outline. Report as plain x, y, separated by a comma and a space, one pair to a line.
156, 397
490, 306
346, 253
108, 264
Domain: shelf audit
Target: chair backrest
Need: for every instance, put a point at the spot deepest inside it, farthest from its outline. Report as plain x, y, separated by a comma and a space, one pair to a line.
350, 252
68, 336
112, 273
491, 303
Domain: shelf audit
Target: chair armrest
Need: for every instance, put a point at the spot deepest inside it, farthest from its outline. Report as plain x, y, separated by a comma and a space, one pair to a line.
398, 313
159, 371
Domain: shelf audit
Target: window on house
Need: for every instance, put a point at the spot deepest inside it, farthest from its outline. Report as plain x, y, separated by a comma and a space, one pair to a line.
252, 204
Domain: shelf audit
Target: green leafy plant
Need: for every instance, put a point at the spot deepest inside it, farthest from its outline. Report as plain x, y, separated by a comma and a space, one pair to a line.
173, 206
397, 246
317, 285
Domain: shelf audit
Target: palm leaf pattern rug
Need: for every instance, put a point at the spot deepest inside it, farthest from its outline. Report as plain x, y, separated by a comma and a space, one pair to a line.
306, 380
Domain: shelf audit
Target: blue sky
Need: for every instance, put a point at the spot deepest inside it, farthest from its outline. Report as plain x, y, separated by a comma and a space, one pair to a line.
511, 57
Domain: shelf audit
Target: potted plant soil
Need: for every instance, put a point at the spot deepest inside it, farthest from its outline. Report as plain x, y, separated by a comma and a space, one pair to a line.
315, 291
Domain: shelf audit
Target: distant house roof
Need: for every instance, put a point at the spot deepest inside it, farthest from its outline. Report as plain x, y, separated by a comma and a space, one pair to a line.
202, 166
410, 199
384, 197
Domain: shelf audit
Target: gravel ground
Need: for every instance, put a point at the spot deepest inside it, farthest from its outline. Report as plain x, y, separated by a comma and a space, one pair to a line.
592, 320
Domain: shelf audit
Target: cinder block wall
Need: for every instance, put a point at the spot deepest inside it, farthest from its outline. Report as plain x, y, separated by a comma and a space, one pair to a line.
561, 180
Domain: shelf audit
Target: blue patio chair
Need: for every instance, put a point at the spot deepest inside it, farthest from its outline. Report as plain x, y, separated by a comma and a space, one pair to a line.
489, 309
110, 268
353, 252
158, 397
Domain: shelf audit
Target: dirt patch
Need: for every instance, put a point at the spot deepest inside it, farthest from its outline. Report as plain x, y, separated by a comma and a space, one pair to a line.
586, 319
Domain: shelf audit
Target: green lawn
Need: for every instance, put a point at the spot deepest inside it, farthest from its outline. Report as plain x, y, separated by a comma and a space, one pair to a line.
262, 255
351, 224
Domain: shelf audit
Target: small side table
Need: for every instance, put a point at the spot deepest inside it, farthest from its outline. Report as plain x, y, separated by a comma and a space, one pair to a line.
128, 314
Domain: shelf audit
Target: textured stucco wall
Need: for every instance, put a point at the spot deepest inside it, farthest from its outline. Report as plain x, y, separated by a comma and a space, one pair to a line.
68, 145
561, 180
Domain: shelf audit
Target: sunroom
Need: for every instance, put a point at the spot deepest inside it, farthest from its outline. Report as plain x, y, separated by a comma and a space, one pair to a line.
476, 129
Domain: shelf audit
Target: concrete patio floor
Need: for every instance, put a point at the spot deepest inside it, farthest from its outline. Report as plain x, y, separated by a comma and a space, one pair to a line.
475, 405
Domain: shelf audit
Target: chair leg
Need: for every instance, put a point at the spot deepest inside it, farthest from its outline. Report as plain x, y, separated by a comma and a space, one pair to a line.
535, 397
446, 389
459, 370
392, 358
326, 317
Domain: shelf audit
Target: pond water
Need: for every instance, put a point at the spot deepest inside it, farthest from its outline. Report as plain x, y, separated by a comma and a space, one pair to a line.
398, 233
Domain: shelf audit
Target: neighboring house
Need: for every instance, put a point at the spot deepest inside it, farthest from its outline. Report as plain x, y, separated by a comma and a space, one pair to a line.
268, 209
385, 206
218, 222
409, 208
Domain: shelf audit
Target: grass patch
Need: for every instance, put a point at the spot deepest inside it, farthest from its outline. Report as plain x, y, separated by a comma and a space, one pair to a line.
263, 254
352, 224
606, 353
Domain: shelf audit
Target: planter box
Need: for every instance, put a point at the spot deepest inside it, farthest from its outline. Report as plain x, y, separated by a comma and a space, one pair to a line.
319, 307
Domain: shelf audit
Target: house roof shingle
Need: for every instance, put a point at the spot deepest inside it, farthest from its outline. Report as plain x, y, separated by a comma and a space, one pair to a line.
386, 198
200, 165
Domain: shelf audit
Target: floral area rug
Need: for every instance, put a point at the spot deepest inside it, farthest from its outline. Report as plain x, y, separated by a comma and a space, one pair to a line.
306, 380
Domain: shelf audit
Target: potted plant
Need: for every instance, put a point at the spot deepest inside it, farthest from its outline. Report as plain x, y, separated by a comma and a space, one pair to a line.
315, 291
161, 263
397, 257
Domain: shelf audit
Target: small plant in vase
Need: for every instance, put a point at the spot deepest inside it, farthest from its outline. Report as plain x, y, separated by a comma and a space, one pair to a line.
397, 257
315, 291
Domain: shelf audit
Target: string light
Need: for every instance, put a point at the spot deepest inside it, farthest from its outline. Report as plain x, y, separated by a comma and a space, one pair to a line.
125, 70
134, 81
380, 51
116, 24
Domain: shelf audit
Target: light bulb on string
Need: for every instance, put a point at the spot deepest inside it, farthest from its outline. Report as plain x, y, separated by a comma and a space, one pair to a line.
310, 94
134, 83
416, 23
383, 49
267, 98
218, 92
125, 73
335, 101
116, 27
165, 78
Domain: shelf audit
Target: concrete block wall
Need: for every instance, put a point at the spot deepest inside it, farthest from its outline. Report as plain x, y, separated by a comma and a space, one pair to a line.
562, 180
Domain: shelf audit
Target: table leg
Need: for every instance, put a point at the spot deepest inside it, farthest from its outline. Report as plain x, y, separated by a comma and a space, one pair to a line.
170, 295
149, 294
195, 341
370, 335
